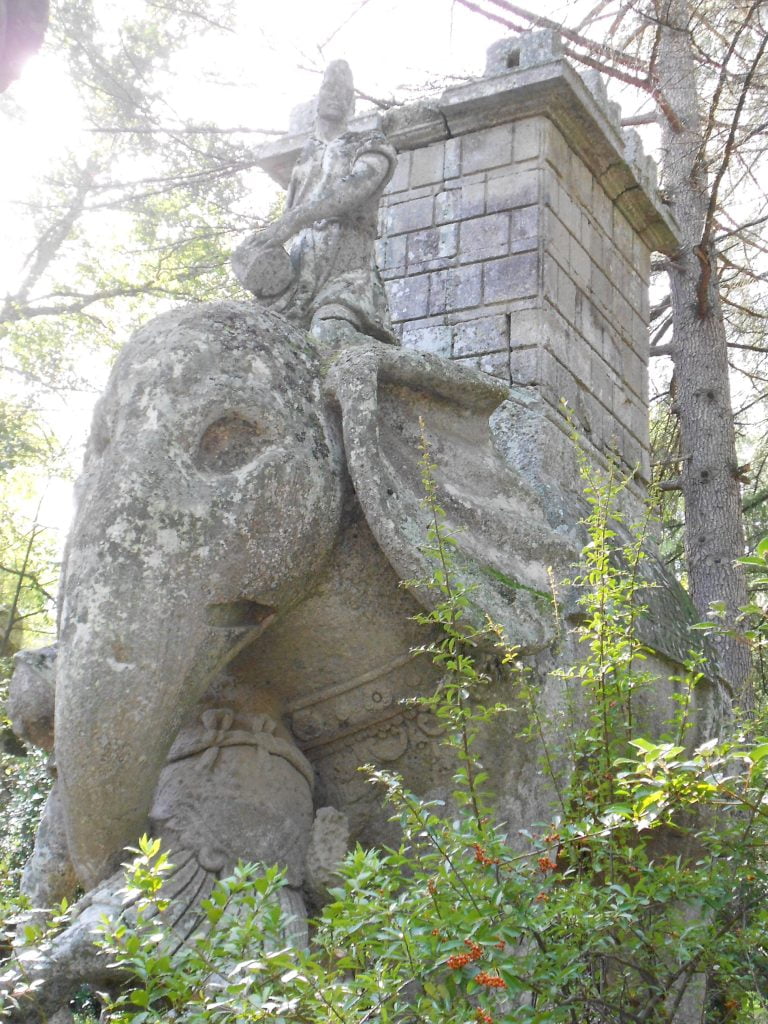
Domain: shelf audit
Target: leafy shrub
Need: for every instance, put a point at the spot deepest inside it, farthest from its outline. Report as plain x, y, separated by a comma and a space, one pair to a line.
591, 921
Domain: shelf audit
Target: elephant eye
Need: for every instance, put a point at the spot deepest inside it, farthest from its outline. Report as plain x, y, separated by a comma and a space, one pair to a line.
228, 443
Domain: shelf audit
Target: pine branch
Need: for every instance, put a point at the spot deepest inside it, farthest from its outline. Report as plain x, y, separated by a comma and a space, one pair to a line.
56, 234
596, 56
540, 21
728, 149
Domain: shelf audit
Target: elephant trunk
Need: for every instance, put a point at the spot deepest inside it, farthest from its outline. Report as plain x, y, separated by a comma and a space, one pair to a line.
128, 676
211, 484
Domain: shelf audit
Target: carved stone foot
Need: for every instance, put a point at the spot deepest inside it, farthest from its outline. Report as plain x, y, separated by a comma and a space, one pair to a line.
328, 847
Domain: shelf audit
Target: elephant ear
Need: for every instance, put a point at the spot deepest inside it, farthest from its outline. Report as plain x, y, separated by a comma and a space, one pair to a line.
389, 398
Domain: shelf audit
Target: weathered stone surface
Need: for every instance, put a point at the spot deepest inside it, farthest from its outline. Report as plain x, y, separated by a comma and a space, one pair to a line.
541, 87
328, 845
266, 271
49, 876
415, 125
427, 165
428, 336
30, 706
253, 786
330, 282
70, 961
523, 51
520, 226
210, 476
432, 249
458, 288
409, 298
485, 237
477, 337
485, 149
231, 791
234, 788
411, 215
225, 557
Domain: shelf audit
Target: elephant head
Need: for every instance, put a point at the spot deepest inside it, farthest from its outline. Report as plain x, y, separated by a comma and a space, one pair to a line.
225, 455
210, 497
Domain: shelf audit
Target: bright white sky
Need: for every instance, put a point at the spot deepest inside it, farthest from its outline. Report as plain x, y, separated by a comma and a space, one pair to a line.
254, 76
250, 78
268, 66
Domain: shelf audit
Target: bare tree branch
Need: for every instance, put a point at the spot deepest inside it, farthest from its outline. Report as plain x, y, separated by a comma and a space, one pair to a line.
728, 149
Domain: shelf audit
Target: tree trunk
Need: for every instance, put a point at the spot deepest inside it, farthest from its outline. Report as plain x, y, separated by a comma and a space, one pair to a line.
714, 535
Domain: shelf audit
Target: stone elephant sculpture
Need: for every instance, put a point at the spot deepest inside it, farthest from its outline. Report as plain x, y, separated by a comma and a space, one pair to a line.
249, 503
234, 640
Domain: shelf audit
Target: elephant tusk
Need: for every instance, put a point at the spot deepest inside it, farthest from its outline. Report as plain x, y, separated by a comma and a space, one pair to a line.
240, 645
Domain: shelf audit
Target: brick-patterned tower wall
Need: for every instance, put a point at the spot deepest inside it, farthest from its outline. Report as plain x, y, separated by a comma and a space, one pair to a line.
516, 235
509, 248
501, 249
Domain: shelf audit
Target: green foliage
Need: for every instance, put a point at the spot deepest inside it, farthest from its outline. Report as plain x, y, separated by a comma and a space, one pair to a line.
234, 968
755, 615
610, 586
28, 575
757, 571
28, 570
651, 876
24, 782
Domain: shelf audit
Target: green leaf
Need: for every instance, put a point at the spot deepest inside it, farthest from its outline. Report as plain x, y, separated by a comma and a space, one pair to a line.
643, 745
140, 997
758, 754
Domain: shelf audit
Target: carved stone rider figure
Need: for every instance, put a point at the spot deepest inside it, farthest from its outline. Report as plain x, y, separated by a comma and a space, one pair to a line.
330, 282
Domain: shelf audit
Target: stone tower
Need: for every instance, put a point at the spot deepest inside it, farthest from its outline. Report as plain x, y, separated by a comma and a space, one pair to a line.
516, 237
